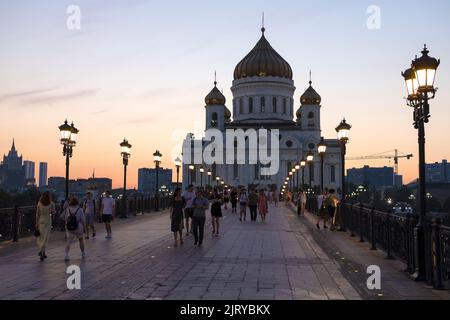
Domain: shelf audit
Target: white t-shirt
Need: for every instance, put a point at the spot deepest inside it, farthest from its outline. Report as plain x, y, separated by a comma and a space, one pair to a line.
108, 205
189, 198
320, 199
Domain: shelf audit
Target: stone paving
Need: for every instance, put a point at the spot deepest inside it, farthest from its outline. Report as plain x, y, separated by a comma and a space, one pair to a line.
281, 259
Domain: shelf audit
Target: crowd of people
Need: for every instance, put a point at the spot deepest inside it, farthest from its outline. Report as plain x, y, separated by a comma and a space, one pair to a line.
188, 213
188, 210
78, 217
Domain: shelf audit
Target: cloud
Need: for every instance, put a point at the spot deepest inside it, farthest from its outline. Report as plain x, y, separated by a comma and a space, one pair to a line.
24, 94
52, 98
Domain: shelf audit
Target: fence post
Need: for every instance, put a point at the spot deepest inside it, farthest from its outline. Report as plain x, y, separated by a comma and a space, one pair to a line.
342, 226
372, 229
437, 255
388, 235
361, 228
15, 224
351, 223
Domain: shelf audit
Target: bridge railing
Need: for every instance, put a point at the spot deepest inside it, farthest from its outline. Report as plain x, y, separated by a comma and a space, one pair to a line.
18, 222
396, 236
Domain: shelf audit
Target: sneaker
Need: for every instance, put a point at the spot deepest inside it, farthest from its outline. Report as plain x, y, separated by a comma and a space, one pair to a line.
67, 258
108, 236
94, 234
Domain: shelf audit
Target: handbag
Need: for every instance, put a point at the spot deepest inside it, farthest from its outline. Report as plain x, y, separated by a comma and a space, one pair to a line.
37, 233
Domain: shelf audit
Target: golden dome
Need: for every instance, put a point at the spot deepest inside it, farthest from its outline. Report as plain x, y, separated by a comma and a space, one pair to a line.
215, 97
310, 97
263, 61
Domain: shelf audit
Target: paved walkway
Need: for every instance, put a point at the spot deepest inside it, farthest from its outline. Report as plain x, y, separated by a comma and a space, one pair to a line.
286, 258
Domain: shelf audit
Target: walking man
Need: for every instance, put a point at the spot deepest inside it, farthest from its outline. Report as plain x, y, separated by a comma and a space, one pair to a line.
200, 204
188, 196
108, 211
253, 205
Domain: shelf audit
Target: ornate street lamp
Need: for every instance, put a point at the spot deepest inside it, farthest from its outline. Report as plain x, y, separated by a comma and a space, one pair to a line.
419, 80
310, 161
68, 138
178, 164
202, 171
217, 180
291, 181
322, 148
343, 133
209, 173
191, 173
157, 159
125, 149
303, 165
297, 169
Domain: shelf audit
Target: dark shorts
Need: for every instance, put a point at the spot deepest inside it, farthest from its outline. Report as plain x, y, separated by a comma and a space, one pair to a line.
107, 218
188, 213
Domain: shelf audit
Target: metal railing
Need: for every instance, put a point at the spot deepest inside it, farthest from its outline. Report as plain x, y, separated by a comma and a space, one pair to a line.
19, 222
396, 235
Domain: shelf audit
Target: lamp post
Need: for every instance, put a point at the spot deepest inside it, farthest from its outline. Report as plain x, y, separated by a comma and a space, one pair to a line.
126, 154
343, 133
68, 138
178, 163
191, 173
303, 165
209, 173
202, 171
310, 161
419, 81
217, 180
291, 181
293, 178
297, 169
322, 148
157, 159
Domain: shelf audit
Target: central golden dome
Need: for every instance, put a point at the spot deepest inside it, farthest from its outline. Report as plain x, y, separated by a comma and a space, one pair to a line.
263, 61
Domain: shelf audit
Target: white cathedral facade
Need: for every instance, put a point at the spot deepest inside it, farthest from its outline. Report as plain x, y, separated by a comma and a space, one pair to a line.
263, 97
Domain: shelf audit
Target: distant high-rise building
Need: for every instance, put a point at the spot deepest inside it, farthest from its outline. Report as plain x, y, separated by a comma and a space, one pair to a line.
29, 173
29, 169
147, 179
437, 172
43, 172
372, 177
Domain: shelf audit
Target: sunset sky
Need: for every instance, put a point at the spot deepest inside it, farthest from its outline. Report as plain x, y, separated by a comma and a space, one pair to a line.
141, 69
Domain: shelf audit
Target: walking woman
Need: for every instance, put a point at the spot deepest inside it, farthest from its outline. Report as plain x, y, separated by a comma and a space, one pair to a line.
216, 214
176, 217
226, 199
262, 205
45, 210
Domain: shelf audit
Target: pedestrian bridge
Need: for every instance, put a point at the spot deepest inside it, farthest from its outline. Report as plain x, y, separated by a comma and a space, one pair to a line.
285, 258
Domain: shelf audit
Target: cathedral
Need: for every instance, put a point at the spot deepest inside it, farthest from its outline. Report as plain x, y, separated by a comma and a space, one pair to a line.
263, 97
12, 176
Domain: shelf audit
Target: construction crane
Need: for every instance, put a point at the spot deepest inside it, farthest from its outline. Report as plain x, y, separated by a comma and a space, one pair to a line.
396, 156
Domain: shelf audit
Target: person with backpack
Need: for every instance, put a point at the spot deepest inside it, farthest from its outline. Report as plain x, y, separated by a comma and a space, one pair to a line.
243, 201
75, 225
108, 211
331, 204
89, 208
233, 199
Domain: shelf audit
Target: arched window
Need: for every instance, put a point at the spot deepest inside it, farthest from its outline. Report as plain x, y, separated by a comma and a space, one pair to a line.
263, 104
274, 104
284, 105
214, 120
241, 106
250, 105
